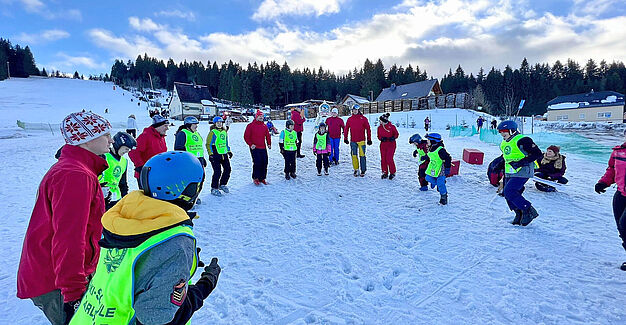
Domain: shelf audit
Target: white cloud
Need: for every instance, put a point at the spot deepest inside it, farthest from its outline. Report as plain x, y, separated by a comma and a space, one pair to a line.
270, 9
435, 36
43, 37
40, 8
67, 62
188, 15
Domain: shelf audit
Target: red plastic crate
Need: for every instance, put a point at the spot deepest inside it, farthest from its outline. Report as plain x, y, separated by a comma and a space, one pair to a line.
454, 169
473, 156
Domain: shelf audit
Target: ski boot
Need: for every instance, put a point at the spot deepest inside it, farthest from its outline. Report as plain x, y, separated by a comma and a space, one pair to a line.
518, 217
528, 215
444, 199
287, 177
224, 188
293, 175
362, 174
256, 182
216, 192
424, 188
326, 171
319, 173
384, 176
392, 176
198, 201
356, 173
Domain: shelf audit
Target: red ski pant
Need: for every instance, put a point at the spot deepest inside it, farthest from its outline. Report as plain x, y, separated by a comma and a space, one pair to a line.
387, 150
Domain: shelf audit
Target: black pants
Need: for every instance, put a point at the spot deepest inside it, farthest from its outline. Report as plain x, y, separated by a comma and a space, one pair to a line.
51, 304
259, 163
299, 142
132, 132
221, 170
619, 212
322, 158
290, 161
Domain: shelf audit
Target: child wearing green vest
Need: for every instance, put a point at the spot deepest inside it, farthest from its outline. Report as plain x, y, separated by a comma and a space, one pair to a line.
148, 251
219, 156
321, 149
113, 179
439, 163
288, 143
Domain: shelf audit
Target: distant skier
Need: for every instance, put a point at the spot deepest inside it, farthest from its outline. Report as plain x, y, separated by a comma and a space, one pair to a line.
387, 134
479, 123
439, 164
113, 180
149, 143
321, 149
335, 126
131, 125
494, 124
297, 116
219, 156
60, 248
149, 251
358, 127
288, 148
616, 173
256, 135
427, 124
271, 128
551, 167
420, 152
519, 153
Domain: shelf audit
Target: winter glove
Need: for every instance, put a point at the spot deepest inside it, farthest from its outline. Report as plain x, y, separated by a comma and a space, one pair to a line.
447, 172
415, 153
70, 308
601, 187
230, 155
369, 142
346, 141
208, 279
200, 263
516, 164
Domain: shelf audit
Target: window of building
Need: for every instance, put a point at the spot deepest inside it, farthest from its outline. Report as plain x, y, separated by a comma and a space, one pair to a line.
604, 114
562, 117
581, 116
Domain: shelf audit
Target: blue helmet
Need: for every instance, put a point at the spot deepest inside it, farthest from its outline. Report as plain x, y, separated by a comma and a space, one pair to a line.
435, 137
123, 139
507, 125
173, 176
289, 123
322, 124
415, 138
218, 119
191, 120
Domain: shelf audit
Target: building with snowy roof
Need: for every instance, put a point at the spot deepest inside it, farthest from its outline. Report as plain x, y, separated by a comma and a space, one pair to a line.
191, 100
595, 106
350, 100
414, 90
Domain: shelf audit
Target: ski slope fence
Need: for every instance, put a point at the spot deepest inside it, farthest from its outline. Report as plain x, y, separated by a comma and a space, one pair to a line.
569, 142
55, 128
462, 131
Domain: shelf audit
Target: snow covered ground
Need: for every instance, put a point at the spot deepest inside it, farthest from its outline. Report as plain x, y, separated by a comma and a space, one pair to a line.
343, 250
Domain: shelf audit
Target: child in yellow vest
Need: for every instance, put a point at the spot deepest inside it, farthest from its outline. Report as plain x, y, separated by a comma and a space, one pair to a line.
439, 164
113, 179
321, 148
288, 143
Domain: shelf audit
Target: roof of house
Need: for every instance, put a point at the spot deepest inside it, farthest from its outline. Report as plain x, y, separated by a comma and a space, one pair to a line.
584, 100
357, 99
412, 90
189, 93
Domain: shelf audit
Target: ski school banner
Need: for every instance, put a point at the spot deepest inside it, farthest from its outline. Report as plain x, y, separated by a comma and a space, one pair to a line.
323, 110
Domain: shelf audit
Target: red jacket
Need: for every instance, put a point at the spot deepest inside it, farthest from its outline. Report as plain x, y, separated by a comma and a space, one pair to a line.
257, 133
359, 125
61, 243
616, 172
335, 125
387, 132
149, 144
298, 120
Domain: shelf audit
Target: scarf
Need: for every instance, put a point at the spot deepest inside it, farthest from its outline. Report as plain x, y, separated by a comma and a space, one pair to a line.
558, 160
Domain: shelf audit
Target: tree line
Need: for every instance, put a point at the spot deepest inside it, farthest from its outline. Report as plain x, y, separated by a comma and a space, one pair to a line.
499, 92
21, 62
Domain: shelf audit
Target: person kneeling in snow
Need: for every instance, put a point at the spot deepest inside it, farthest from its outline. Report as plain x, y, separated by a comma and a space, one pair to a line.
439, 164
420, 153
113, 180
552, 168
149, 251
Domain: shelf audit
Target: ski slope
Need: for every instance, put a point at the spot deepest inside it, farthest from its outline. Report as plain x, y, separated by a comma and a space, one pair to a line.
343, 250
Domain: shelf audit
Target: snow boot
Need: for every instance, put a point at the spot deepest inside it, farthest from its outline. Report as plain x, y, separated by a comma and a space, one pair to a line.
300, 156
356, 173
224, 189
392, 176
424, 188
198, 201
528, 215
264, 182
256, 182
384, 176
287, 177
444, 199
319, 173
518, 217
362, 174
216, 192
326, 171
293, 175
623, 267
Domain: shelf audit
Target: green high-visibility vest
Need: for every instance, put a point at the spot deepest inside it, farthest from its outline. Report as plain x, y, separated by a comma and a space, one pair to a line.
511, 152
193, 143
321, 141
110, 298
420, 153
290, 140
112, 175
435, 164
221, 141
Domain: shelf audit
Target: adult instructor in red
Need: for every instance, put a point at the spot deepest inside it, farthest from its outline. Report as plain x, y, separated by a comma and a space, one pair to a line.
256, 135
357, 126
297, 116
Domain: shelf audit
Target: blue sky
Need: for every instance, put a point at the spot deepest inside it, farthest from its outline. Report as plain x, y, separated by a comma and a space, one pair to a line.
337, 34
